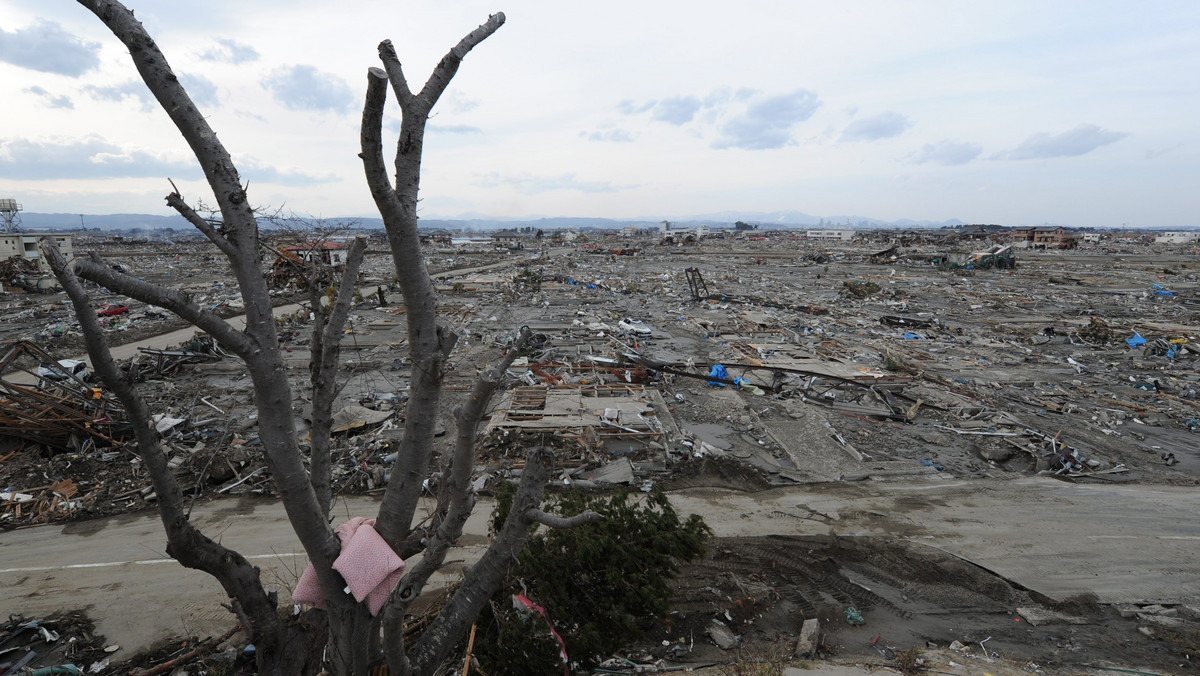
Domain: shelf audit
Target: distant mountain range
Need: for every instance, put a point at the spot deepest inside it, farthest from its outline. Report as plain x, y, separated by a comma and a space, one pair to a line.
34, 222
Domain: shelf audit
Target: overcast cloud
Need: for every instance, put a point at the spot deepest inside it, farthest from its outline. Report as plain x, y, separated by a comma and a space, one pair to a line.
201, 89
886, 111
609, 136
884, 125
453, 129
230, 51
131, 89
306, 88
51, 100
92, 157
676, 110
948, 152
1078, 141
533, 185
48, 48
767, 123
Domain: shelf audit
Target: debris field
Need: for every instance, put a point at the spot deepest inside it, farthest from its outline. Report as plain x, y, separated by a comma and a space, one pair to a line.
725, 365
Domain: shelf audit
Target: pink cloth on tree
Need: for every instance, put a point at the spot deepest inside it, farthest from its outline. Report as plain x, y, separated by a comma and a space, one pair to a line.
369, 566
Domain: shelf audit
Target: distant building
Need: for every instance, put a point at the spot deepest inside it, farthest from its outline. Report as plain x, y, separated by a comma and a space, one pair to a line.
974, 232
332, 254
1177, 237
436, 236
831, 235
508, 239
25, 245
1043, 237
629, 231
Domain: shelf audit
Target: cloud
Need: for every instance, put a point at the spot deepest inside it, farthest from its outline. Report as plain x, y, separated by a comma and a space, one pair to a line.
610, 136
766, 124
306, 88
454, 102
201, 89
677, 110
1155, 153
88, 158
48, 48
95, 158
533, 185
454, 129
948, 153
131, 89
230, 51
628, 107
1078, 141
884, 125
62, 101
253, 171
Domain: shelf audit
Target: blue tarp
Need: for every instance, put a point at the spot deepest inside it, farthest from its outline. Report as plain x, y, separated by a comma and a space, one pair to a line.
718, 371
1135, 341
913, 336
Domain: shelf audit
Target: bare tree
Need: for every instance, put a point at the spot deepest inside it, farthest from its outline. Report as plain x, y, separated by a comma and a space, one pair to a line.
355, 639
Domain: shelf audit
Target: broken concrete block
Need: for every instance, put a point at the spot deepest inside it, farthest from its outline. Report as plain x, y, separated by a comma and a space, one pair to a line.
1172, 622
807, 643
722, 635
995, 453
1043, 616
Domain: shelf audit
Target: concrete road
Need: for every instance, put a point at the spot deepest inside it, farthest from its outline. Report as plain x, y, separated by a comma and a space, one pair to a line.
1123, 543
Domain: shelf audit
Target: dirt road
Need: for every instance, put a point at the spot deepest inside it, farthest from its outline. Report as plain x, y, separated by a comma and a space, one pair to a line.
1027, 530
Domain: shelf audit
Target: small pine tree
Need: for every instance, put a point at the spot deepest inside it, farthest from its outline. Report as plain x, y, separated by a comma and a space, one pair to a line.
596, 582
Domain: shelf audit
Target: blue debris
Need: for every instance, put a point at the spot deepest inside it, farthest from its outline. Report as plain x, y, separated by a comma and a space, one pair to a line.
913, 336
854, 616
1135, 341
718, 371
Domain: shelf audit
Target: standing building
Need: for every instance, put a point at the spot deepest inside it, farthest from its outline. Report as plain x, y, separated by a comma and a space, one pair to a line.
25, 245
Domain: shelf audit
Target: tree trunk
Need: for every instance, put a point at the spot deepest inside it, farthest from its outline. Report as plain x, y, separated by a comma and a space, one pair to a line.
347, 630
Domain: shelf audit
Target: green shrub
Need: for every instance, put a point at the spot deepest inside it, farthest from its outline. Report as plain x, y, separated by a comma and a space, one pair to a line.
595, 581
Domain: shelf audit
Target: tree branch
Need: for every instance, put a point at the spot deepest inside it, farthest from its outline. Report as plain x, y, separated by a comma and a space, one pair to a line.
556, 521
455, 499
162, 82
371, 144
448, 66
485, 576
395, 73
179, 302
326, 351
185, 543
341, 306
176, 202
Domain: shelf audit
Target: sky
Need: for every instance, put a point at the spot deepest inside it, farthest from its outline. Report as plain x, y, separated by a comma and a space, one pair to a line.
1015, 113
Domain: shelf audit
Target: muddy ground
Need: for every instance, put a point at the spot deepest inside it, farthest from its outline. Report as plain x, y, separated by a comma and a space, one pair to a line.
996, 374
